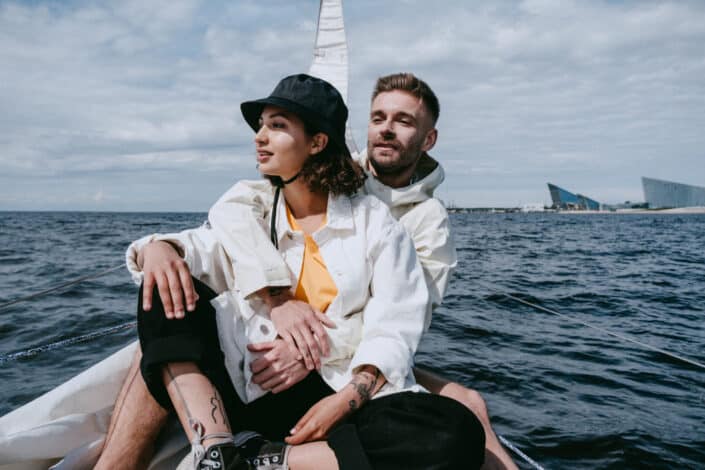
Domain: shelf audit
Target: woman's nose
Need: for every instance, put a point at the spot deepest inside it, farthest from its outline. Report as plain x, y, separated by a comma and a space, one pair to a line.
261, 134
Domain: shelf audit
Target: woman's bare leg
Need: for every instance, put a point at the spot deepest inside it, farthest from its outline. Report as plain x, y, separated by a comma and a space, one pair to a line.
312, 456
495, 455
197, 402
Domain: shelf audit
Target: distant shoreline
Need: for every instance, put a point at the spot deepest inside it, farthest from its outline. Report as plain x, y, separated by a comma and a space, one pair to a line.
516, 210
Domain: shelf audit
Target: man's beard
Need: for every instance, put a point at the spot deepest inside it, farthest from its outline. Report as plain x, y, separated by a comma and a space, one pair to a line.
408, 157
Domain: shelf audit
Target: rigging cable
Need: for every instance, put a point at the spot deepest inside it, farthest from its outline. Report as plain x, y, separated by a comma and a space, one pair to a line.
594, 327
60, 286
518, 451
65, 342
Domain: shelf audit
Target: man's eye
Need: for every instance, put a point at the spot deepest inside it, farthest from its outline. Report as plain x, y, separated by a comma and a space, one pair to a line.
376, 120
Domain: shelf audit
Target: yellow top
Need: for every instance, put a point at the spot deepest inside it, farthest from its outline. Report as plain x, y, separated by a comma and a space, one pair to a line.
315, 285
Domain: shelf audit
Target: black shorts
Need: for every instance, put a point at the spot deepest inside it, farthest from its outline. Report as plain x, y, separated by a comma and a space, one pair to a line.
400, 431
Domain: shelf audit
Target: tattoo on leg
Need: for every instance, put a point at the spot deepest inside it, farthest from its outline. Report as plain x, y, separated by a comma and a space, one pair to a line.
217, 405
214, 404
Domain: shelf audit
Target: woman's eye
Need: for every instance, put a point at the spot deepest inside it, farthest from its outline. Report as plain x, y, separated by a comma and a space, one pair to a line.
278, 125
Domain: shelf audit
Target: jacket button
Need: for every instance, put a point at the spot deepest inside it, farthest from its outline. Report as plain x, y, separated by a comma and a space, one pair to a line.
264, 329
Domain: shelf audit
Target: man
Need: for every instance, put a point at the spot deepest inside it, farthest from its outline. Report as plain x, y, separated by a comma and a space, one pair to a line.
401, 131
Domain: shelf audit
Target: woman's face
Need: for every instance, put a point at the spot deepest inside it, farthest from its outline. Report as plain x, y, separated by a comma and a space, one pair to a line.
281, 143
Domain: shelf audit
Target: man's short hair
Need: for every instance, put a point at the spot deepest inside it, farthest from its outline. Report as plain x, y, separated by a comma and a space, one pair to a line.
409, 83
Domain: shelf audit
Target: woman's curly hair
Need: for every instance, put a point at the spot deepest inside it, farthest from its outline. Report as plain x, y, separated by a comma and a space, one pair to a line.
332, 170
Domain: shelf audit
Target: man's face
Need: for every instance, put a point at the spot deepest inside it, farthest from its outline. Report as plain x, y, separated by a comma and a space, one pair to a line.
399, 131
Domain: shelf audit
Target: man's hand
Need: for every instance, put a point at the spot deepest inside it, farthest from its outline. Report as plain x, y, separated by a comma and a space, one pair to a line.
299, 324
322, 417
162, 265
279, 368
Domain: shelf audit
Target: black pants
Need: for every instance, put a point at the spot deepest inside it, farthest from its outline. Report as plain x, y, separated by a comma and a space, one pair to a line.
400, 431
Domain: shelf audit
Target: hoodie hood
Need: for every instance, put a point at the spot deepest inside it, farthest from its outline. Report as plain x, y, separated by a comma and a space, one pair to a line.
419, 191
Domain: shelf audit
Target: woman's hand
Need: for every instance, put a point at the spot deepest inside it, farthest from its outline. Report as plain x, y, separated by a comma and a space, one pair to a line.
322, 417
162, 265
300, 325
279, 368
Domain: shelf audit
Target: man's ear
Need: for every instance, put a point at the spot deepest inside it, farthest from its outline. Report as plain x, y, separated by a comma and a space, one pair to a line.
318, 143
430, 140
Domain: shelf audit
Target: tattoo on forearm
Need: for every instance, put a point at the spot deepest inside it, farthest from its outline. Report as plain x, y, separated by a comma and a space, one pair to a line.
365, 385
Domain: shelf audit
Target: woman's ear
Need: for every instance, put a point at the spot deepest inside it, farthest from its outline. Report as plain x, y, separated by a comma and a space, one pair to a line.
318, 143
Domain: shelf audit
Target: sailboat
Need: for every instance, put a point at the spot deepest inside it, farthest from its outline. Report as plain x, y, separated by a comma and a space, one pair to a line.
65, 428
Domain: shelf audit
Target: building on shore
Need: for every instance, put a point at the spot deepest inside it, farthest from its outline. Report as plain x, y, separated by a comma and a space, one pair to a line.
565, 200
533, 207
661, 194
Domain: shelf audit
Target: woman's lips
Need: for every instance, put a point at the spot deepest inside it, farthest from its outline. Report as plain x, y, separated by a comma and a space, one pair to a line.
263, 156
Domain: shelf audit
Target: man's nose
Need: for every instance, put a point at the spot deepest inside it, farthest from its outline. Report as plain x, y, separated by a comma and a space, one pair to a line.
387, 133
386, 129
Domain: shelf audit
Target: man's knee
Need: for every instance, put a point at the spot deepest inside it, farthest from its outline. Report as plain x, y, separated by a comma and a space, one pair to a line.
469, 397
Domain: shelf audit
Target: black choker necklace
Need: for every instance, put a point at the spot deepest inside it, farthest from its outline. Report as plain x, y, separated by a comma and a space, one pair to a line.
272, 222
290, 180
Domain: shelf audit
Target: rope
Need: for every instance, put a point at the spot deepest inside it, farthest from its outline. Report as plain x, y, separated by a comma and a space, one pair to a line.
60, 286
595, 327
77, 339
518, 451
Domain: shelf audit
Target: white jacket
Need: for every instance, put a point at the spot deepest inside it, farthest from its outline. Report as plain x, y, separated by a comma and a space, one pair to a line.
382, 296
234, 217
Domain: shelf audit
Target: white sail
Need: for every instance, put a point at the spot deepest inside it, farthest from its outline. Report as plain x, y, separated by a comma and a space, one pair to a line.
330, 53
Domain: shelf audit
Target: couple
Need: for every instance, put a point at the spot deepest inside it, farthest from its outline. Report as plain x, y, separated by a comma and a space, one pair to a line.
349, 259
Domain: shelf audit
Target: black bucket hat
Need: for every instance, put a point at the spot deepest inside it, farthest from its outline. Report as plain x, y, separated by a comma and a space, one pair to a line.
315, 101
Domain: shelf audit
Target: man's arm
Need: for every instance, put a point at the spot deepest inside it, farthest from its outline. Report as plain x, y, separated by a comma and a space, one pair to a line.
429, 227
393, 317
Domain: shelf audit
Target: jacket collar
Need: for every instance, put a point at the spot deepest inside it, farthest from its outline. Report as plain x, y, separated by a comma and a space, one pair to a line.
416, 192
339, 216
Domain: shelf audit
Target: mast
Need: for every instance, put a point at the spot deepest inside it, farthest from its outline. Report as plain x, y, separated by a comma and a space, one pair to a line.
330, 53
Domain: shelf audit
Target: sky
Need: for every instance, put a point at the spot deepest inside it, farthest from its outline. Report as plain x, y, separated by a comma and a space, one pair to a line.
134, 105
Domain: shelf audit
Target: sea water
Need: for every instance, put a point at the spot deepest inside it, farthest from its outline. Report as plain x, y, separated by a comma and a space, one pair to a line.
567, 395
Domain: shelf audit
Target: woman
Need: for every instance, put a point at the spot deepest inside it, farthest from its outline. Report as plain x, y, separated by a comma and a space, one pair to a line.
348, 257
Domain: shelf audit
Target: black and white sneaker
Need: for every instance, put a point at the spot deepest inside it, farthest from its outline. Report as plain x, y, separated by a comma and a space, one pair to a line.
261, 453
223, 456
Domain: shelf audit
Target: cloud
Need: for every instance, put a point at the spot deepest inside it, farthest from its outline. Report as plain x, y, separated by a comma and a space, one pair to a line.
571, 92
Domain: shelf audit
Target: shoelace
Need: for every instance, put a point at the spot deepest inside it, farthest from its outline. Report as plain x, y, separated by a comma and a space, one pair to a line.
199, 452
